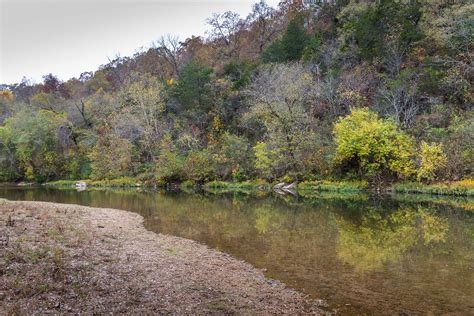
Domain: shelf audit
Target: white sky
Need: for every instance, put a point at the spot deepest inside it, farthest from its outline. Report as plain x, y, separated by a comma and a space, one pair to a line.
68, 37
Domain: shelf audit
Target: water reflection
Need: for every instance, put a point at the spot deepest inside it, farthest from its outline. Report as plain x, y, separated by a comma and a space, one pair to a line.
378, 255
379, 238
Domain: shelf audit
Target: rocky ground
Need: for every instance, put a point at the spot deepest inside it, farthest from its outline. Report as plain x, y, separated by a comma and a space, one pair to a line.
68, 259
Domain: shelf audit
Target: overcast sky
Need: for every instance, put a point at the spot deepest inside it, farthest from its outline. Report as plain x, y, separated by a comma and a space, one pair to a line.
68, 37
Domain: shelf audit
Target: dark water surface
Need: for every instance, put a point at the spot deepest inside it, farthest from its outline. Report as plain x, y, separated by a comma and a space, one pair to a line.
360, 254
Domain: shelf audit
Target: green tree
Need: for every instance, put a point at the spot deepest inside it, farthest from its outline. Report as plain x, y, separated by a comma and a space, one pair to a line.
239, 72
232, 157
386, 23
169, 164
265, 160
193, 90
8, 163
200, 166
290, 46
6, 100
111, 157
41, 140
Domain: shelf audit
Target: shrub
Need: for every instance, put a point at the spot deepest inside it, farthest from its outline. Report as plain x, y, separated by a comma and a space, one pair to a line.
232, 157
199, 166
372, 146
170, 165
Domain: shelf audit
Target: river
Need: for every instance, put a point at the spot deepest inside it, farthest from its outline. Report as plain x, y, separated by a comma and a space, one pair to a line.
390, 255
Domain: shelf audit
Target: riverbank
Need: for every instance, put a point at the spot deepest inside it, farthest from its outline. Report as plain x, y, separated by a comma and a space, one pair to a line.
58, 258
454, 188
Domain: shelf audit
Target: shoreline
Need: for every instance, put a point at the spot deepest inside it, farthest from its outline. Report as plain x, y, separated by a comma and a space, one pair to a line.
65, 258
463, 188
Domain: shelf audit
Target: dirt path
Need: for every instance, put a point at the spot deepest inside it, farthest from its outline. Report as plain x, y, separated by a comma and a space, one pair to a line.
68, 258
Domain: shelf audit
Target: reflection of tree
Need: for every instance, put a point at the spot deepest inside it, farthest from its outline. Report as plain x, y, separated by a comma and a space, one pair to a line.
378, 239
434, 229
262, 219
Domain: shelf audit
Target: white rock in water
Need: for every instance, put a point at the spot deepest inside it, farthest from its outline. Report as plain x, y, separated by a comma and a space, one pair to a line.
81, 184
290, 186
279, 185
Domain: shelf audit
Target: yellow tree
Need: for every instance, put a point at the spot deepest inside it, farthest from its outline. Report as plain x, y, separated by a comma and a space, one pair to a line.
371, 146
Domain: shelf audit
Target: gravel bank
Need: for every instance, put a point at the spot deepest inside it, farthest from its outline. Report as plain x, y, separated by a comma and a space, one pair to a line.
68, 258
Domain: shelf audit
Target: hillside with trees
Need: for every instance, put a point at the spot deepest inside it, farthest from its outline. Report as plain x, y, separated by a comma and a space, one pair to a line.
347, 90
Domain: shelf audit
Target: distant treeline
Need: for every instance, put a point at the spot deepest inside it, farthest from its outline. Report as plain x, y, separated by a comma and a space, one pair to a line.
372, 90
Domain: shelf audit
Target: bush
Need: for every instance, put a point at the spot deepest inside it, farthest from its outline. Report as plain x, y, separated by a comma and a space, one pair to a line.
119, 182
169, 165
199, 166
232, 157
372, 146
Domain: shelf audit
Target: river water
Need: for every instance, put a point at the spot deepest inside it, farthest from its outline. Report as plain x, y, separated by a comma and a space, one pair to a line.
362, 255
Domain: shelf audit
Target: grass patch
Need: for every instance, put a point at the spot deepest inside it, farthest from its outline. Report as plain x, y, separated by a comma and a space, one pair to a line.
61, 183
355, 196
333, 186
119, 182
456, 188
464, 202
173, 250
243, 187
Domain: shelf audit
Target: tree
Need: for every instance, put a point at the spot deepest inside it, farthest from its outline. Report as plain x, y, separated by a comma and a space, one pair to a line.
263, 24
275, 53
290, 46
295, 39
459, 149
8, 162
280, 98
226, 28
48, 101
386, 22
111, 157
98, 82
6, 100
372, 147
199, 166
51, 84
450, 30
42, 142
265, 159
168, 48
169, 164
398, 98
239, 72
232, 157
142, 101
431, 160
193, 91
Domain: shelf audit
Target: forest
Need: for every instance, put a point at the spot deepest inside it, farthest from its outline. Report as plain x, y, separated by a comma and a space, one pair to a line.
378, 91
